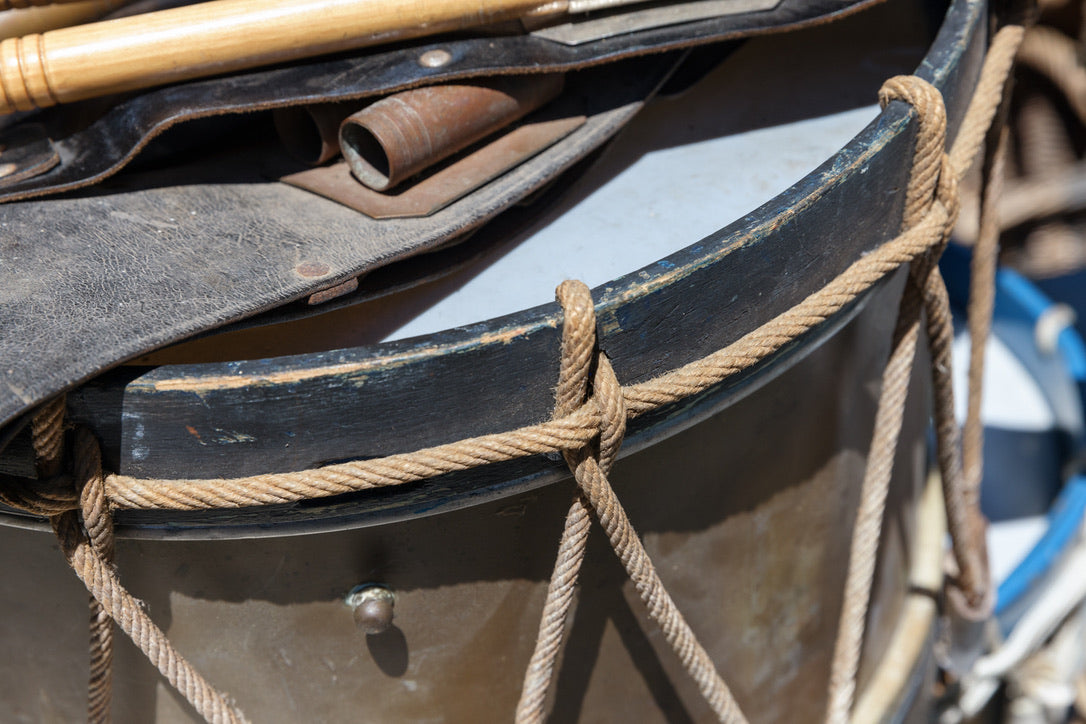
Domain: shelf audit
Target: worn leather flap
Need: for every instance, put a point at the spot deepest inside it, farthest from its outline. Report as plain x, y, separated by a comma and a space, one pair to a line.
89, 281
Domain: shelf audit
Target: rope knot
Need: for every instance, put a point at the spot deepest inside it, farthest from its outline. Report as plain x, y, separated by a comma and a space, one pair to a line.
88, 546
81, 489
933, 180
577, 379
586, 374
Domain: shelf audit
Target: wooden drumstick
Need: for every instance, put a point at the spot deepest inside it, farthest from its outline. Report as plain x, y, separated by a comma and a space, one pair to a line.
17, 4
37, 19
221, 36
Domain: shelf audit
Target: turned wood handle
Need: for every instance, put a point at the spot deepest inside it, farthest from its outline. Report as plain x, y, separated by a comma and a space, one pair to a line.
221, 36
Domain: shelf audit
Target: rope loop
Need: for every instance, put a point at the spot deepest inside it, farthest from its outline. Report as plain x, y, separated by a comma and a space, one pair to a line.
45, 498
98, 523
88, 545
578, 346
47, 436
93, 503
929, 162
83, 489
586, 378
54, 491
968, 586
930, 147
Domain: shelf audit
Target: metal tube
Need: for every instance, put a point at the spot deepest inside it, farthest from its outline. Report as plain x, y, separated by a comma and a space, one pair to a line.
311, 133
403, 134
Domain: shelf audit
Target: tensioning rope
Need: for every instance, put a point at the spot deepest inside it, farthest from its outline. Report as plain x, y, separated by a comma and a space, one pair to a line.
591, 412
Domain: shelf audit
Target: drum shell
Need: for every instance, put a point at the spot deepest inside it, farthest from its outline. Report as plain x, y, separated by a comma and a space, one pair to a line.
747, 515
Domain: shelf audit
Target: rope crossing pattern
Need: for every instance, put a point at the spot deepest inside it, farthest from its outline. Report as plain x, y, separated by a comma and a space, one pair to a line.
590, 470
591, 412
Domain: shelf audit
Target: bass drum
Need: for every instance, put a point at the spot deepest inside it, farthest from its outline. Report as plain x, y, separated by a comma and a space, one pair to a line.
745, 495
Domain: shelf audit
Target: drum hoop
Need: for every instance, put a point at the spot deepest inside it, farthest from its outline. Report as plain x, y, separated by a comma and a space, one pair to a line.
188, 396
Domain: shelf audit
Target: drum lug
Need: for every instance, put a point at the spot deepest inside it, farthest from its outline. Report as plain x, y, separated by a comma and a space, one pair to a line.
372, 605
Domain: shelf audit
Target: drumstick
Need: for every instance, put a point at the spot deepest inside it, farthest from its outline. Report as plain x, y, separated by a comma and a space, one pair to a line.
221, 36
20, 4
37, 19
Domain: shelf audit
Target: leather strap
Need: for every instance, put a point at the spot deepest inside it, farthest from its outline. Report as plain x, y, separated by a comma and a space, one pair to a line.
115, 135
